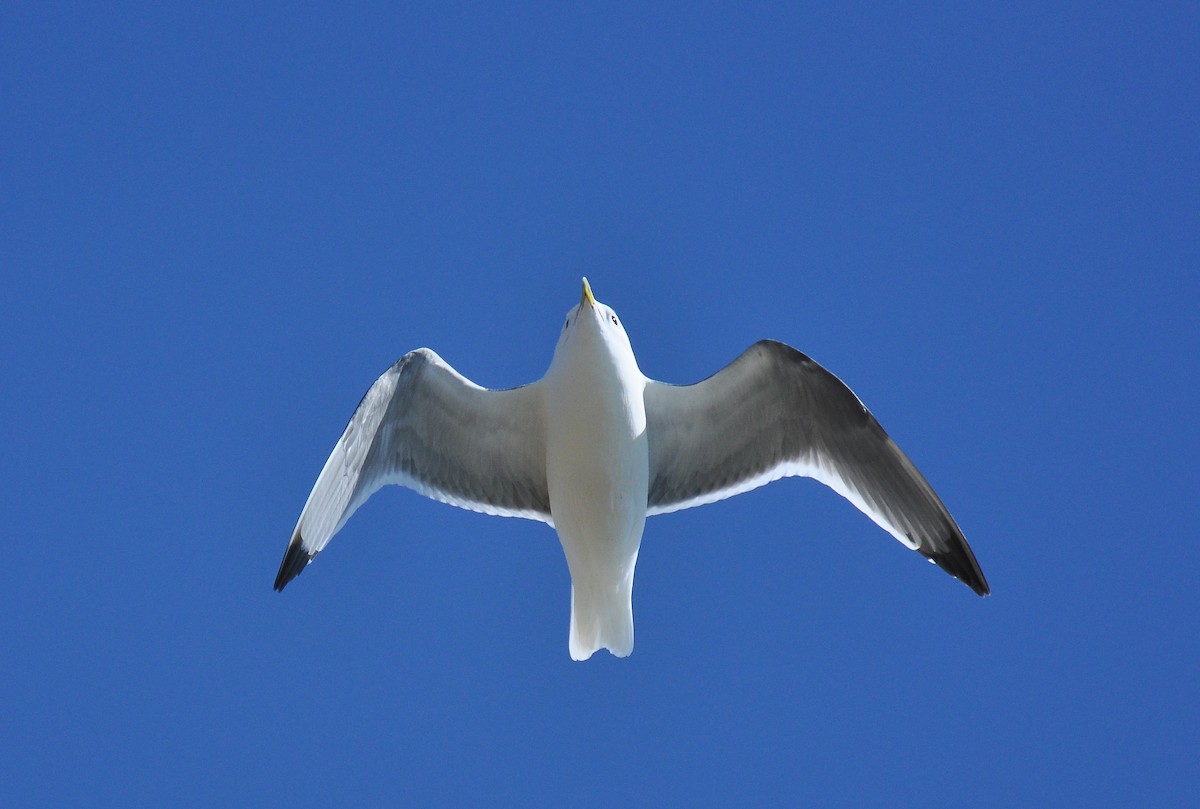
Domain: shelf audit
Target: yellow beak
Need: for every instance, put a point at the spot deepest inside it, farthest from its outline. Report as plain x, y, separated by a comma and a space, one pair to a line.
587, 295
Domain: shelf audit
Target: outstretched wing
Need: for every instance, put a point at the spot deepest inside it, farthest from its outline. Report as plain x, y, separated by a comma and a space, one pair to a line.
425, 426
772, 413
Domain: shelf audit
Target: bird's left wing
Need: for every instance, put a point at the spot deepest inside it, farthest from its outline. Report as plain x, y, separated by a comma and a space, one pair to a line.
425, 426
773, 412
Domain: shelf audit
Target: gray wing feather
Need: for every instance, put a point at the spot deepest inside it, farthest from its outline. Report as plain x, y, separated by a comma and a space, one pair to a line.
772, 413
425, 426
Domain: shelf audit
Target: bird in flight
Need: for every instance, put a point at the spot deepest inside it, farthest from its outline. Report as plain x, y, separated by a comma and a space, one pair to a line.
594, 447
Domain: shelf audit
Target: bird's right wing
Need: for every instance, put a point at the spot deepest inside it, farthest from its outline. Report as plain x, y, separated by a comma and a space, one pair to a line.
425, 426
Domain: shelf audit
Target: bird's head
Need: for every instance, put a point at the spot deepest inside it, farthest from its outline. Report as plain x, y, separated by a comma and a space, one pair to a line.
593, 326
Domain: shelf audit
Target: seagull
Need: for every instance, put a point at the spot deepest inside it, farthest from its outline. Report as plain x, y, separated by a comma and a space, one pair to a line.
594, 447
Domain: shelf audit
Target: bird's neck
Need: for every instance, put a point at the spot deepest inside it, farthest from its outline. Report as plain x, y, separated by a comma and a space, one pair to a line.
590, 377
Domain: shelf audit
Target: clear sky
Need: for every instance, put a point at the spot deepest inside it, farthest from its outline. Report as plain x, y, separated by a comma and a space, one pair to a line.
220, 222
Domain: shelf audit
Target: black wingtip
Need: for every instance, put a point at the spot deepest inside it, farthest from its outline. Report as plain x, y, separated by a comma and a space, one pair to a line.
293, 562
960, 563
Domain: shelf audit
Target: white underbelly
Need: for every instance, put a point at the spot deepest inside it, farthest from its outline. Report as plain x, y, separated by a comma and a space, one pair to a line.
597, 472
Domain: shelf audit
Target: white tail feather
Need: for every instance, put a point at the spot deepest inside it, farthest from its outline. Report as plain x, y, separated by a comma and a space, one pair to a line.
602, 620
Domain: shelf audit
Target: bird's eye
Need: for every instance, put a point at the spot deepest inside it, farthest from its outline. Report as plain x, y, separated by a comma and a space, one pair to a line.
566, 323
614, 320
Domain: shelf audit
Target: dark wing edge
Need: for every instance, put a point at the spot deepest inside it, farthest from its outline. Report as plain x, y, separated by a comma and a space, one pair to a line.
295, 559
728, 434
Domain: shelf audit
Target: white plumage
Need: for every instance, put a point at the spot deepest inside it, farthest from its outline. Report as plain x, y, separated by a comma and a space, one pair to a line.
595, 446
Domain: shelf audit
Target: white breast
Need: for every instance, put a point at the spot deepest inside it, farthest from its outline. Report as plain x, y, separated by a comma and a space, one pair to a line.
596, 451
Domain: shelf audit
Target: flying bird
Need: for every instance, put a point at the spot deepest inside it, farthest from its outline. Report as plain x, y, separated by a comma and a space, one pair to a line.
594, 447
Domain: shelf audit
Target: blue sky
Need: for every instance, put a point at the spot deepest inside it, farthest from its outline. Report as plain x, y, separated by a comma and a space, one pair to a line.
218, 225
